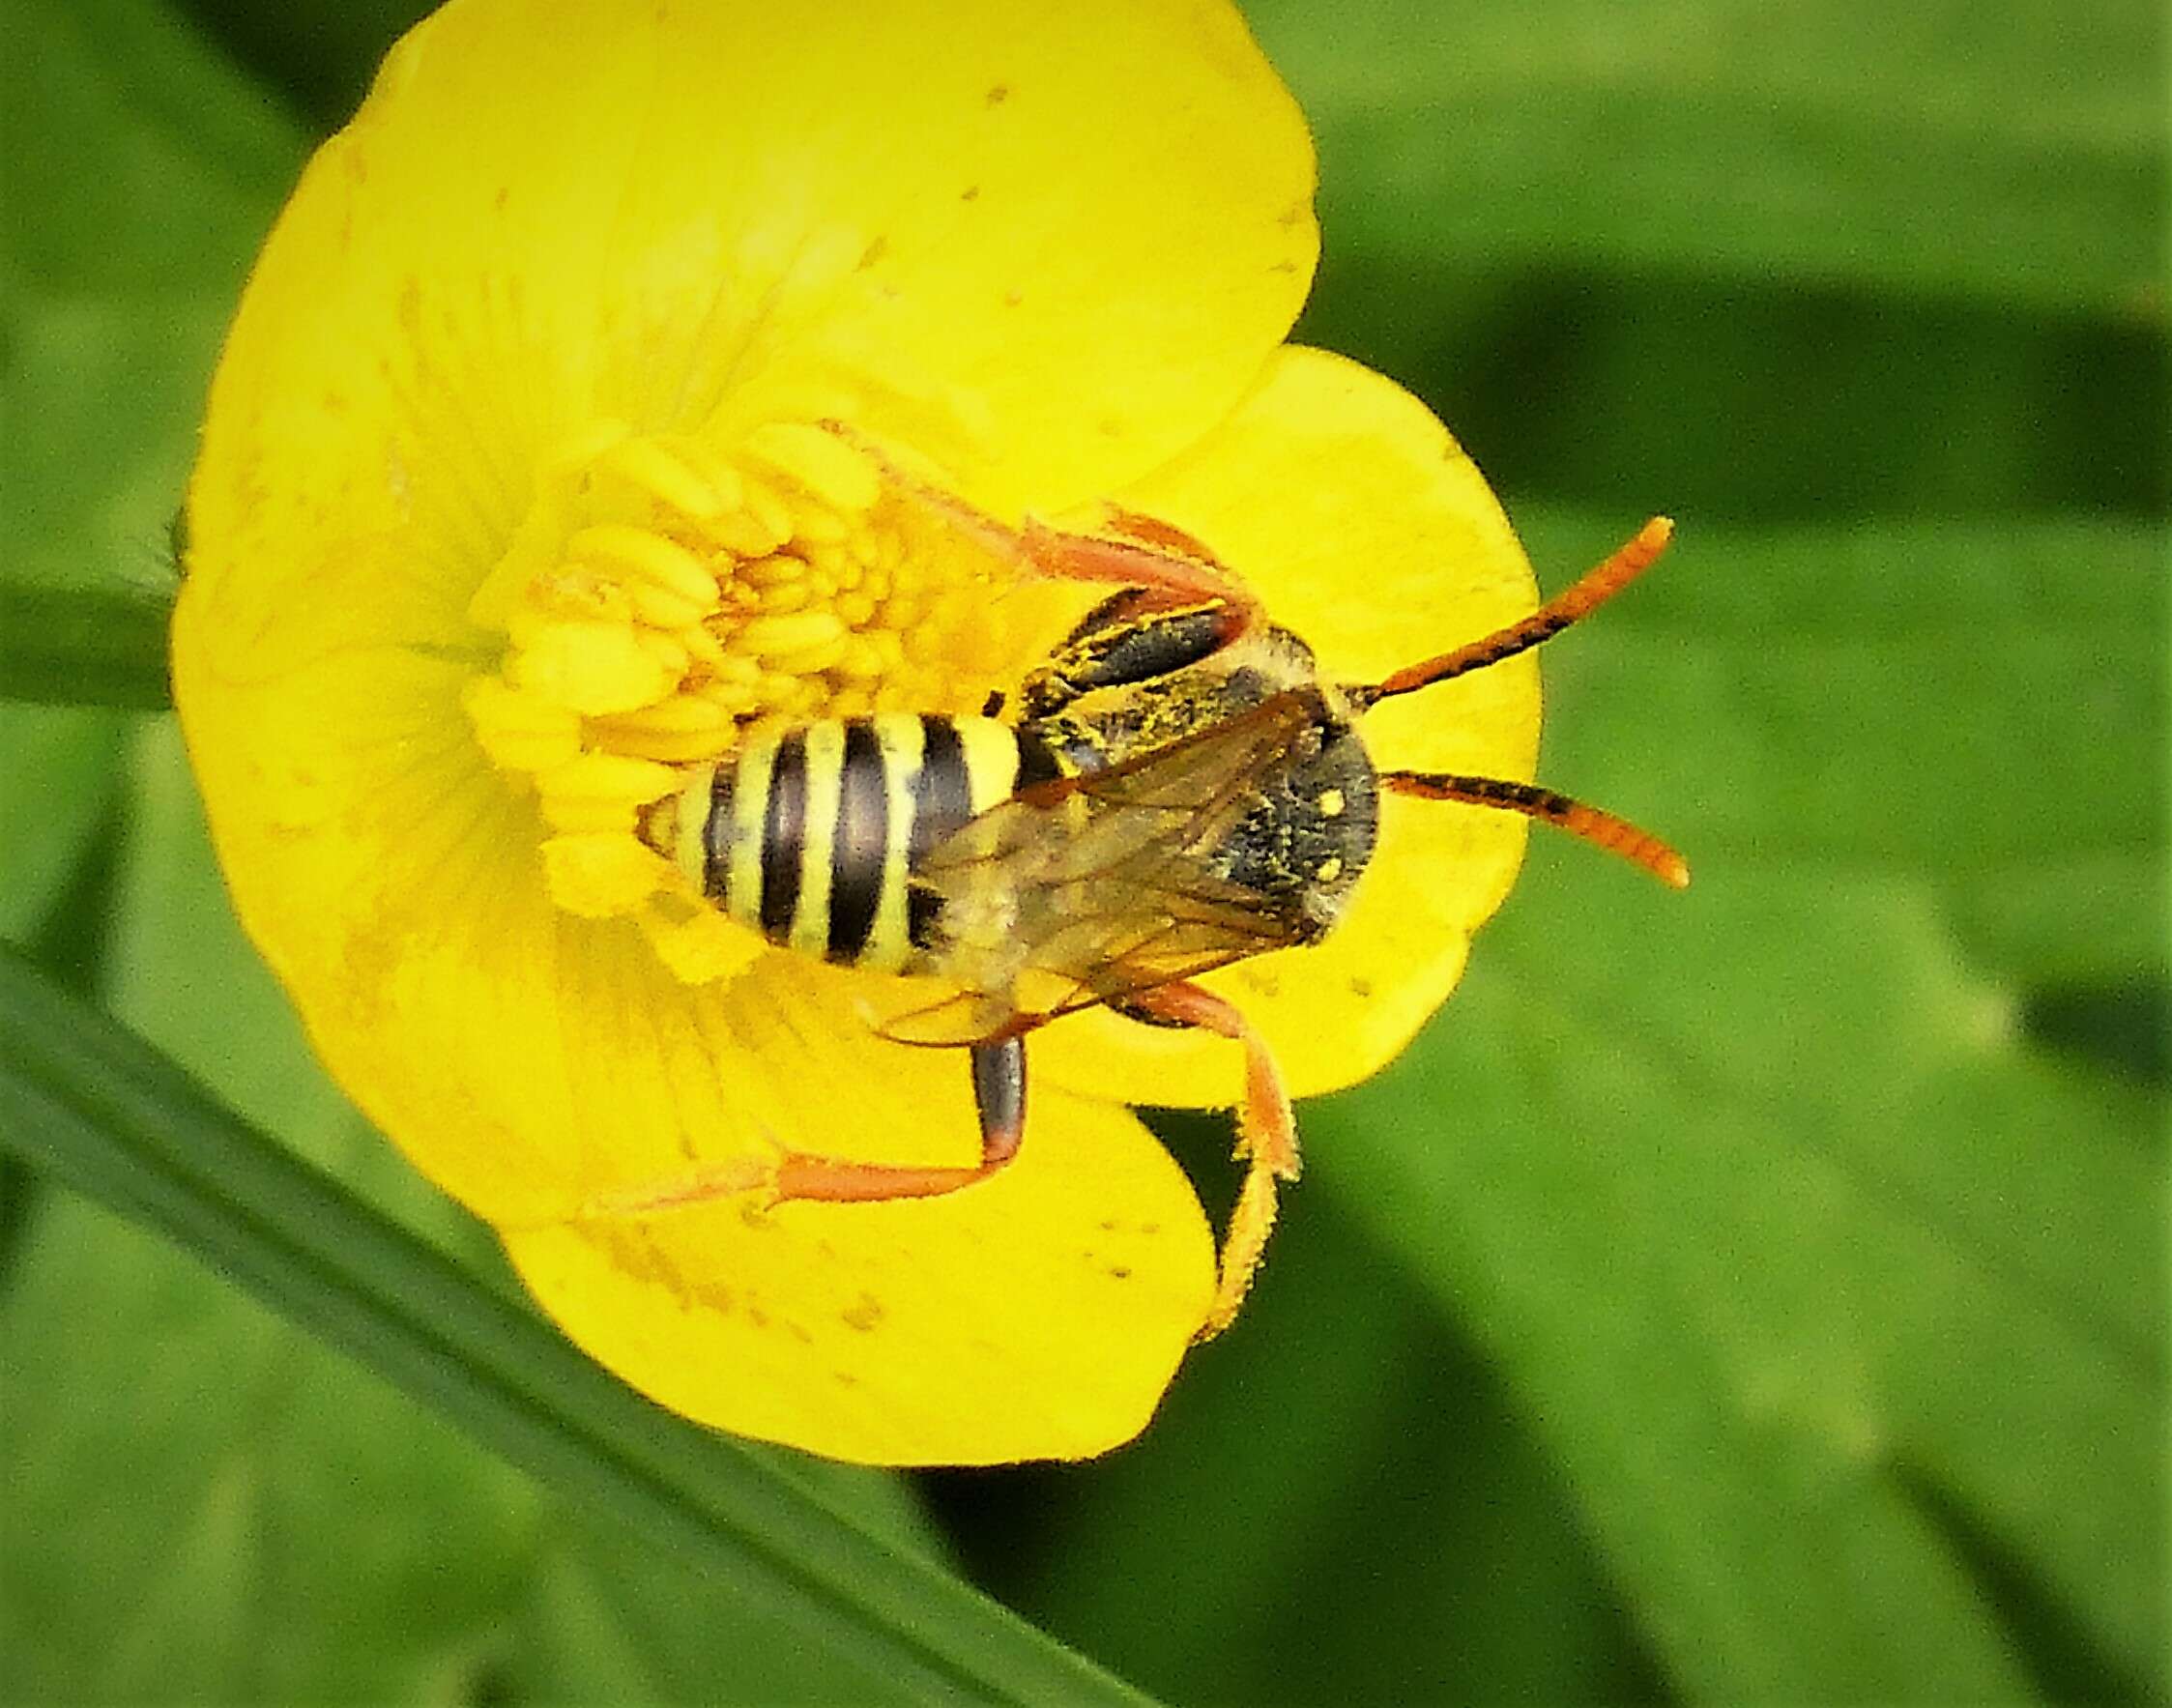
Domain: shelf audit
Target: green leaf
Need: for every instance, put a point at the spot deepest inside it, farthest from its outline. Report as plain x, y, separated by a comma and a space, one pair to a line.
1815, 1275
293, 1529
83, 646
320, 58
1977, 706
1728, 261
267, 1481
149, 172
1940, 148
604, 1619
152, 166
1339, 1500
111, 1118
59, 774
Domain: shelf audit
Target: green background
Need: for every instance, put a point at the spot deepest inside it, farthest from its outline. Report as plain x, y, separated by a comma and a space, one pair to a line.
1750, 1295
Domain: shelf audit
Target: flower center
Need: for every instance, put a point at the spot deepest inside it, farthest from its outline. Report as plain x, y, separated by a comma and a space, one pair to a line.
662, 595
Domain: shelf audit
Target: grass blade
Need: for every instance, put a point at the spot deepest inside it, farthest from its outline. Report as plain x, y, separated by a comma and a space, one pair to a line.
112, 1118
83, 646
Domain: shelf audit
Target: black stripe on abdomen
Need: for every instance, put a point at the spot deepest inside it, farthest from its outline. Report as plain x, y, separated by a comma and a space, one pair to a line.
859, 843
942, 790
1036, 761
784, 829
716, 838
942, 802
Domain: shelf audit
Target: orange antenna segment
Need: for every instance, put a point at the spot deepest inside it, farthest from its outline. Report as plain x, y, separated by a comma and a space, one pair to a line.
1602, 584
1601, 828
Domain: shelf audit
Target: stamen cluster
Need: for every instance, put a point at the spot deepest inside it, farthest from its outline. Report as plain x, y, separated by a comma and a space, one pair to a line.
661, 597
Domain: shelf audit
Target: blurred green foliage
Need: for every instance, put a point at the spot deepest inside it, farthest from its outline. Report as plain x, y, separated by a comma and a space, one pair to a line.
1757, 1294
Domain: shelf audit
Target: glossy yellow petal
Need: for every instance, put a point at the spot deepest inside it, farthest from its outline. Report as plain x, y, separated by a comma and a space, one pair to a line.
1038, 1314
1366, 530
1048, 245
516, 492
398, 891
547, 1069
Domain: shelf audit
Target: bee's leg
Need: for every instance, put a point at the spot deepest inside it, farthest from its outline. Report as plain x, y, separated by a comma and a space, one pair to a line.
1165, 576
998, 1086
1267, 1136
999, 1089
1154, 531
1167, 564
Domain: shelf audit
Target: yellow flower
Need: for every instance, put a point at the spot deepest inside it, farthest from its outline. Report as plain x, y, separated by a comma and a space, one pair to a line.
514, 498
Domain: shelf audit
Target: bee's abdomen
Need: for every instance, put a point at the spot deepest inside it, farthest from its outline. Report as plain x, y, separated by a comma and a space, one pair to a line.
810, 835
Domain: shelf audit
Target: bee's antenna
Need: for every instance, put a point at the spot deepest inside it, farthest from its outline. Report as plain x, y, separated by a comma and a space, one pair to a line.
1601, 828
1627, 563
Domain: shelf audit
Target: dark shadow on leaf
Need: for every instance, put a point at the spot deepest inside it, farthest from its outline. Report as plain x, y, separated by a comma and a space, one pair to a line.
1338, 1501
320, 58
98, 644
2050, 1643
1753, 402
2126, 1028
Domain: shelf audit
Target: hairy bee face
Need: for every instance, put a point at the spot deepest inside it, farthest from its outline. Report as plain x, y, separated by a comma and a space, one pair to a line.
1307, 839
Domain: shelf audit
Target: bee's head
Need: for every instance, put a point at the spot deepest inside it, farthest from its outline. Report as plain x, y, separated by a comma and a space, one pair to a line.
1306, 839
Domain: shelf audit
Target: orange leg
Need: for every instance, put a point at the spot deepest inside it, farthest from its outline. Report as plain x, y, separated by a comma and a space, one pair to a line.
1152, 530
1266, 1137
998, 1084
999, 1089
1166, 577
1167, 564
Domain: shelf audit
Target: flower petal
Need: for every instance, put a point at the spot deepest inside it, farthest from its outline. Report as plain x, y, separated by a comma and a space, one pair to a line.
1366, 530
1038, 1314
1049, 246
538, 1066
1045, 248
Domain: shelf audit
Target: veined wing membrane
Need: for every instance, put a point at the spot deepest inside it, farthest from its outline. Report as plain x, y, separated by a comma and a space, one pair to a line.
1090, 887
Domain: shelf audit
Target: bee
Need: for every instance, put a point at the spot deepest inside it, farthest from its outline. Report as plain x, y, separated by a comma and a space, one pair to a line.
1174, 789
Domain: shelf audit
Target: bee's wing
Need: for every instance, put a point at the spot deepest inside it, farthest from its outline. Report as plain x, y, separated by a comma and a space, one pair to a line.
1105, 878
1170, 803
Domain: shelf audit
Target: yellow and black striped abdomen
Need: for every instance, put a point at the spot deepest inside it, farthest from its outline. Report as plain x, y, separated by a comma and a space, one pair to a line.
810, 835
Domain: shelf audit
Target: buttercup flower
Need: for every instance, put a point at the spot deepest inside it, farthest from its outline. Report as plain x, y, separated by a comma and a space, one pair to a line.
558, 444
